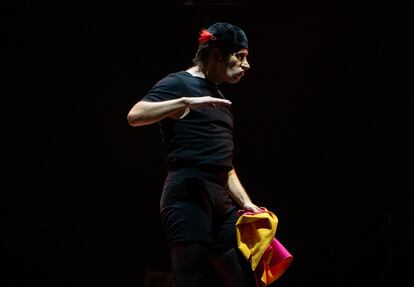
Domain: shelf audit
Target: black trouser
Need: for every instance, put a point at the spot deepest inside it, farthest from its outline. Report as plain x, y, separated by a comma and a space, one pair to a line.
193, 265
199, 217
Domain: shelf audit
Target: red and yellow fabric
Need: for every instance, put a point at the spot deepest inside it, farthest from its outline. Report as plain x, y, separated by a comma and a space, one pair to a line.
256, 241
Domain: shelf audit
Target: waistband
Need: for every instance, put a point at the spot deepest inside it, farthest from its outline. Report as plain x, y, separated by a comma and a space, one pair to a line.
218, 175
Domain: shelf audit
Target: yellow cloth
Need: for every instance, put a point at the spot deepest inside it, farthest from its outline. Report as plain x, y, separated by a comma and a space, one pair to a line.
255, 232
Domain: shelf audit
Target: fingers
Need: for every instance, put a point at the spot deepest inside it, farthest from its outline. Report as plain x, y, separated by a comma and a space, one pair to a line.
213, 100
221, 102
251, 207
224, 101
208, 101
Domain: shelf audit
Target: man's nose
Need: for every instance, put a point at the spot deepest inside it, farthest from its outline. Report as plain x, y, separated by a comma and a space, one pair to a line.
245, 65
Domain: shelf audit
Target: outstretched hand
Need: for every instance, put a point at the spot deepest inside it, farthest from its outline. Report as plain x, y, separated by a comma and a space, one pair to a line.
198, 102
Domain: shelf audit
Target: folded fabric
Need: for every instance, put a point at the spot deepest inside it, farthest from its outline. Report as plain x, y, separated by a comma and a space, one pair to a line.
257, 242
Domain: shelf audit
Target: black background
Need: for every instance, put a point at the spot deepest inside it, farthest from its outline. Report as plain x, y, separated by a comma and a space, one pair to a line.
322, 131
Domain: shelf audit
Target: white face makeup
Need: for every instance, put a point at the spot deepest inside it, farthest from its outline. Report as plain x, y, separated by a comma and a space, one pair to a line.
236, 65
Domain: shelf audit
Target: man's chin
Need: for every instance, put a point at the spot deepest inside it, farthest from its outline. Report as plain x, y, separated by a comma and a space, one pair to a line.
236, 78
234, 81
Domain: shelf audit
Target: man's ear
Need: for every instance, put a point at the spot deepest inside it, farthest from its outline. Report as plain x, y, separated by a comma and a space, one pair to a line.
217, 55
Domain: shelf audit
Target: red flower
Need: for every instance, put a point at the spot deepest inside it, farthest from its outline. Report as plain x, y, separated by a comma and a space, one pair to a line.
205, 36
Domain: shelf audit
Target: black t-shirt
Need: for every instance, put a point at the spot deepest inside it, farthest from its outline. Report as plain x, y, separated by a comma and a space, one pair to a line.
202, 138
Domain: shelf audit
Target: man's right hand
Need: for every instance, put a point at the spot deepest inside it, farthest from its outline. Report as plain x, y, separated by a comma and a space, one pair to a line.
207, 101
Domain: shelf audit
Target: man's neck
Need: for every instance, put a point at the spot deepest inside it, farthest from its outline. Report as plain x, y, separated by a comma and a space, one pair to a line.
196, 72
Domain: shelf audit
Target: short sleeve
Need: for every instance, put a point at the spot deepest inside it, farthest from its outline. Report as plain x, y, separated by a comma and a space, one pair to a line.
168, 88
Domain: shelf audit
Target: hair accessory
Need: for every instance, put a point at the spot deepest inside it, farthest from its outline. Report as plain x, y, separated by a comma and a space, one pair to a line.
205, 36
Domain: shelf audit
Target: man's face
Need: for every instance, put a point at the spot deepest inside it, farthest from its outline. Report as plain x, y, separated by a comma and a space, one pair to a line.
235, 66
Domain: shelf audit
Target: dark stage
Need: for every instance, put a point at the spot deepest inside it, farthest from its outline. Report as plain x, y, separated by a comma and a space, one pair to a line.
322, 132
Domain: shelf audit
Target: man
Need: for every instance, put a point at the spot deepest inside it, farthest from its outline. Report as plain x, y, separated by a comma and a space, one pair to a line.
202, 191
